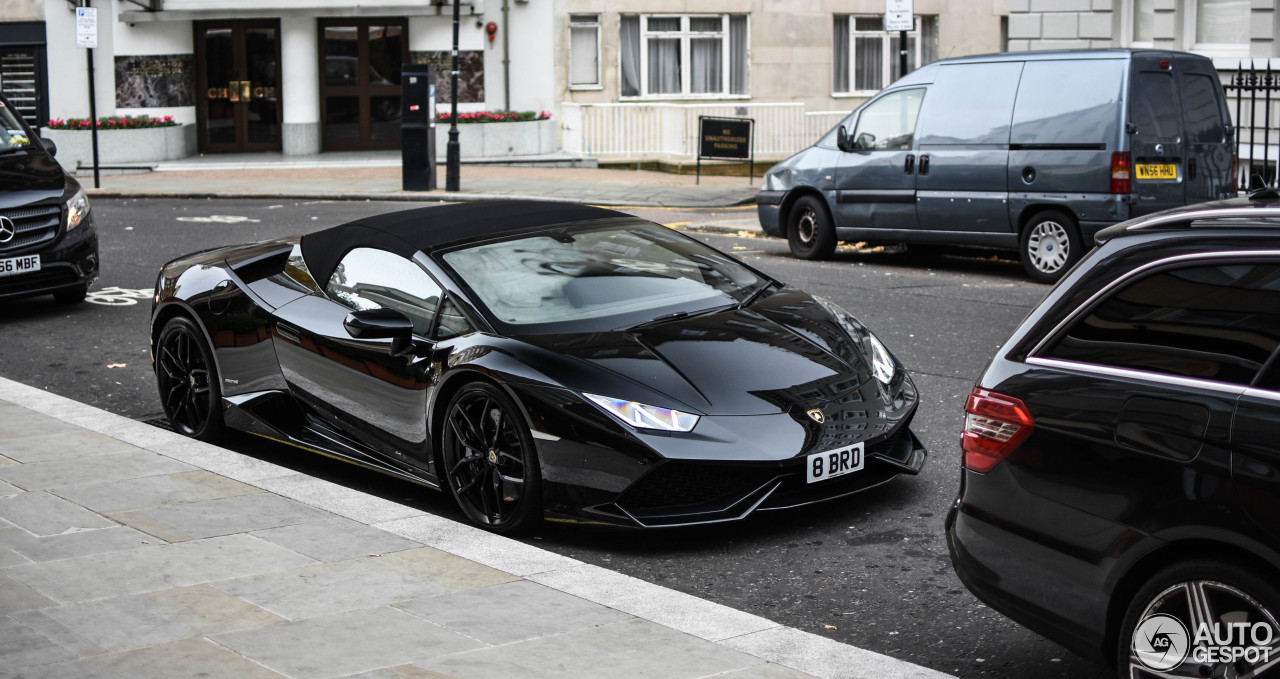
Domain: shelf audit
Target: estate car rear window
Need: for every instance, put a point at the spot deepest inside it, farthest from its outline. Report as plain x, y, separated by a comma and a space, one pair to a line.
1212, 322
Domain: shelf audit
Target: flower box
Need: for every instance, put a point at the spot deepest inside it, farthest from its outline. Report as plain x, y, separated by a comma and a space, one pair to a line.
500, 140
139, 146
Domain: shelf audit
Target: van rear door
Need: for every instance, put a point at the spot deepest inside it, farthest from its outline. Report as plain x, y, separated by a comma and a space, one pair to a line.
1205, 117
1156, 140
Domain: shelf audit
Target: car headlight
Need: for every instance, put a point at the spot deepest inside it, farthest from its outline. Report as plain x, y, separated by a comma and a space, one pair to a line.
77, 209
644, 416
875, 353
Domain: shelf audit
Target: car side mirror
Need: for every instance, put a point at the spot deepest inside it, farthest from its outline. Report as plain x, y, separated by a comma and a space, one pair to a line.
382, 324
49, 146
842, 138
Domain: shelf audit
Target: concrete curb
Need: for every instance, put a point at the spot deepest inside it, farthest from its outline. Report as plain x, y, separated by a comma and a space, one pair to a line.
691, 615
423, 197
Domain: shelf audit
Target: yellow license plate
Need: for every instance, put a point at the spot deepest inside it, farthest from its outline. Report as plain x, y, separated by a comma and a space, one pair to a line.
1156, 171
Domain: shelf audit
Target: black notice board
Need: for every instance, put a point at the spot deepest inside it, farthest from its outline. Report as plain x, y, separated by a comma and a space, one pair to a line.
724, 138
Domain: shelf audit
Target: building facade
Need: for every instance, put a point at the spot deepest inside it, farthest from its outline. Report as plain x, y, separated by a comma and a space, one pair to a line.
23, 74
294, 76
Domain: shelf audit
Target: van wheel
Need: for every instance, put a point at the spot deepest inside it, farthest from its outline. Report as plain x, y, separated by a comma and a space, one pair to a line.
1158, 636
809, 231
1050, 246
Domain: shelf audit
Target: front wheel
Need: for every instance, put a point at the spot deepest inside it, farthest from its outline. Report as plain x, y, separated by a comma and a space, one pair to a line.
490, 464
809, 230
188, 380
1201, 619
1050, 246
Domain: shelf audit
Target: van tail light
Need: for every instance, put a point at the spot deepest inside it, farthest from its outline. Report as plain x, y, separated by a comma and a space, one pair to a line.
994, 426
1121, 166
1235, 173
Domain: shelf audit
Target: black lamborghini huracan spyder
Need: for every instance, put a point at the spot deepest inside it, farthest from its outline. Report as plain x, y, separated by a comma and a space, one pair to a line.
540, 360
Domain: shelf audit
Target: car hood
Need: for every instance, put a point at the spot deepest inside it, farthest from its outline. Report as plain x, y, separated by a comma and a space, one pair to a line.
29, 176
784, 352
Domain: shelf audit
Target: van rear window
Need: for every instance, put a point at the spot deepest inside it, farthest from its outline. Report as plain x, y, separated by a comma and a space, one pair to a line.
1202, 109
1154, 109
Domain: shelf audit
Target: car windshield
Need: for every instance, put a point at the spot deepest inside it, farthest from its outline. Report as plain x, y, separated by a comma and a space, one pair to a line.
13, 134
593, 279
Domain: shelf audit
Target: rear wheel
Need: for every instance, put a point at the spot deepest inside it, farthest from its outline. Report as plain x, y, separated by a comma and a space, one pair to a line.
1162, 634
809, 230
1050, 246
188, 380
490, 464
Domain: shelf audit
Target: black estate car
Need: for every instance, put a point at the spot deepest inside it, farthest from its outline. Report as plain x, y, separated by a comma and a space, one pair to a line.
47, 240
1121, 484
536, 360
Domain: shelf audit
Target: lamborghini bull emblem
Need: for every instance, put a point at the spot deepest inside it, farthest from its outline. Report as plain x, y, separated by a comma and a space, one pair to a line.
816, 415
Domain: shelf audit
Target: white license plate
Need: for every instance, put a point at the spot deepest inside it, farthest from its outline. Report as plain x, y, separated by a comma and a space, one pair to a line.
833, 463
18, 265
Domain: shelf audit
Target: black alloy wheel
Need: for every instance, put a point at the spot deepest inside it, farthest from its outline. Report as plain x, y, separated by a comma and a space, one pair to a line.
809, 231
490, 464
1212, 593
188, 380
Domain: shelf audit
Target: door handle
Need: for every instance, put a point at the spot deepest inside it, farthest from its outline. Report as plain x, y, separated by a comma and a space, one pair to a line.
286, 332
924, 165
1191, 168
911, 163
233, 90
246, 90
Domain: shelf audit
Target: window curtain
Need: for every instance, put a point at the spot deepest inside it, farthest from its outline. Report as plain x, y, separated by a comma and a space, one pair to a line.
1222, 21
840, 54
629, 48
1144, 19
706, 65
868, 63
664, 66
738, 54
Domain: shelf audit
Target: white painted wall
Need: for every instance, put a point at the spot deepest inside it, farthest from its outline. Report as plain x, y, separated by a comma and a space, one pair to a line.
533, 37
434, 34
148, 38
299, 68
68, 66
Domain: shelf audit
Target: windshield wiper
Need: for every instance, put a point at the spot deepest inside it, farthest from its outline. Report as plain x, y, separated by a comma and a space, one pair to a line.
675, 316
755, 294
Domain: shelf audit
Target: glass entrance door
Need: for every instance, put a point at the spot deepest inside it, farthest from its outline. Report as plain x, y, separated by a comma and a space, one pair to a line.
360, 82
238, 68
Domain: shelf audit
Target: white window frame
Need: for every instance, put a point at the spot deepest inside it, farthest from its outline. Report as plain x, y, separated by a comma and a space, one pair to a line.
594, 24
887, 54
1191, 10
685, 35
1130, 23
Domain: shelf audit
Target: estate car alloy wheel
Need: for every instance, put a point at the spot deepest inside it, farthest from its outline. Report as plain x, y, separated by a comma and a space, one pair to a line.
809, 232
1230, 600
1050, 245
188, 380
490, 464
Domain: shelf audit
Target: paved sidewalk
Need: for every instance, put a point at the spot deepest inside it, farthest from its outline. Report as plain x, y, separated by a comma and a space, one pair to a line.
129, 551
377, 177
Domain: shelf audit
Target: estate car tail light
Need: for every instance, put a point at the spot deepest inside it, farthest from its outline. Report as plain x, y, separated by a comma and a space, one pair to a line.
994, 425
1120, 168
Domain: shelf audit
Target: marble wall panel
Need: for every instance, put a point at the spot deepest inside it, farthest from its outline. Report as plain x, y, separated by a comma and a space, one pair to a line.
155, 81
470, 74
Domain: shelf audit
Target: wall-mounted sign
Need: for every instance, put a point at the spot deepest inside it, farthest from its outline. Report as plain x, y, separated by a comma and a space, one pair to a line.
87, 27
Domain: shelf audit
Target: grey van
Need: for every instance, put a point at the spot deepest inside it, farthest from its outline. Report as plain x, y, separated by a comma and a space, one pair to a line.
1033, 152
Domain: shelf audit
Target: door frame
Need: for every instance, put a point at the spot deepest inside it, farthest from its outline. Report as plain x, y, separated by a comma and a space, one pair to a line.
362, 90
237, 26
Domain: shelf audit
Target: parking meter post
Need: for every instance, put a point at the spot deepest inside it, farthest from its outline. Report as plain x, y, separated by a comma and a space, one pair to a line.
453, 157
417, 128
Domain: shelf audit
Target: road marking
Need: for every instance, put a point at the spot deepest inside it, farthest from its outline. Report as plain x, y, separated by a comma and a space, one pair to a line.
221, 219
114, 296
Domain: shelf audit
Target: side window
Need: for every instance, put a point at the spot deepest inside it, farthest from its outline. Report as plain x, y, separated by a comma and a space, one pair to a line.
889, 122
1202, 109
376, 279
453, 323
1218, 323
1154, 109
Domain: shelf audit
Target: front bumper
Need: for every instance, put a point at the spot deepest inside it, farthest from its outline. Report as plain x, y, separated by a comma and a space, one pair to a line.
769, 210
70, 262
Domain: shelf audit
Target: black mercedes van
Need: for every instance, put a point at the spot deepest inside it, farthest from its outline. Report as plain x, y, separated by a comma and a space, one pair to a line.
47, 241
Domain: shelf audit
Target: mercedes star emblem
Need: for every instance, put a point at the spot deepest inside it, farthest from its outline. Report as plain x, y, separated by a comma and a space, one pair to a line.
7, 229
816, 415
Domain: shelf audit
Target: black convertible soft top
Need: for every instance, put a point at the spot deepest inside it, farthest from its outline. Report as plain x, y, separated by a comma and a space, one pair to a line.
426, 228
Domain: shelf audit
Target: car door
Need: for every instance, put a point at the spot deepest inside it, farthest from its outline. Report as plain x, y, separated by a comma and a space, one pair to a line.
875, 184
1204, 113
1254, 446
963, 149
357, 384
1155, 138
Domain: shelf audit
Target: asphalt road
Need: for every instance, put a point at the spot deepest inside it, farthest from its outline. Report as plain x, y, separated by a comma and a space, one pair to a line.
871, 570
